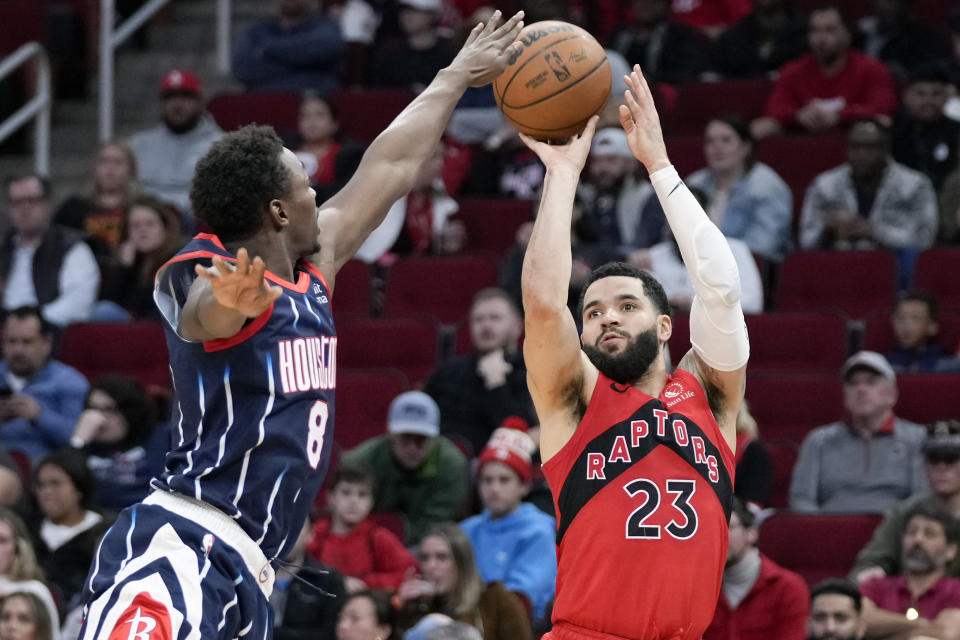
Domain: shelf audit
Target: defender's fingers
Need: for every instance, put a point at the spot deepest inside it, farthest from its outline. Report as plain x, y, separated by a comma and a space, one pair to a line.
243, 261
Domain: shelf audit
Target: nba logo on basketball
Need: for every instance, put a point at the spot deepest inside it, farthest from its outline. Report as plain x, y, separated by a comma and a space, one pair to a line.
144, 619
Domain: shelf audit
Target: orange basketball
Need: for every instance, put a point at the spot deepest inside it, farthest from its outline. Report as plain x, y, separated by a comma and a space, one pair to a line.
552, 87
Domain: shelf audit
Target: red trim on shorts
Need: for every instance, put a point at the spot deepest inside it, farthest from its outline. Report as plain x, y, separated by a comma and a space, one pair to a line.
242, 335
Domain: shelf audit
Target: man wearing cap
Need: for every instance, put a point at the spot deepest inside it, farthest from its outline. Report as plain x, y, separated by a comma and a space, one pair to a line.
615, 211
417, 472
881, 557
412, 60
868, 461
513, 541
167, 153
298, 50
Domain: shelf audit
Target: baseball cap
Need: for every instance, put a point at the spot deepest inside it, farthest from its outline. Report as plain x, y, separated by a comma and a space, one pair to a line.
414, 412
611, 141
512, 445
182, 81
423, 5
869, 360
943, 438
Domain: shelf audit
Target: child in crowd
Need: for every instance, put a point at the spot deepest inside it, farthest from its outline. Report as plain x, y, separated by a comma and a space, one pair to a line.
369, 556
513, 541
915, 327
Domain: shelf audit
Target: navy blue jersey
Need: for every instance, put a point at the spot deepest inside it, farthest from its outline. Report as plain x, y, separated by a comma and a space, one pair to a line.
255, 424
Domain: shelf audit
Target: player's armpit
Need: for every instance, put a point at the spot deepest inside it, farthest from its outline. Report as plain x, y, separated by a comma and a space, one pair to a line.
724, 391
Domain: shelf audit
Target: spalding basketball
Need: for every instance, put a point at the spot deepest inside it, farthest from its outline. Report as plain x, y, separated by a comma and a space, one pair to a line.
559, 79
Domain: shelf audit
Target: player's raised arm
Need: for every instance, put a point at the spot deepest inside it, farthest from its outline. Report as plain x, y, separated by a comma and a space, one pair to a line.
556, 367
391, 163
717, 329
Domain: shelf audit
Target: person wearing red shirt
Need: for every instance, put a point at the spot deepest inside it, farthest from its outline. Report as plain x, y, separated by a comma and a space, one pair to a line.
760, 600
831, 86
369, 556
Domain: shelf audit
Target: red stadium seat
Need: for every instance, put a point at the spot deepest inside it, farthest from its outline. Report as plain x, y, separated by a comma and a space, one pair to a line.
364, 114
878, 335
937, 271
925, 397
797, 341
800, 158
783, 455
492, 224
135, 349
679, 342
686, 153
443, 287
395, 522
21, 21
788, 405
697, 102
854, 282
351, 290
363, 398
410, 344
279, 110
816, 546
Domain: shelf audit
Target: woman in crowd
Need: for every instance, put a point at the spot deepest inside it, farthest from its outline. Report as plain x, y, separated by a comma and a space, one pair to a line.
24, 617
368, 615
754, 474
115, 432
451, 585
317, 125
19, 571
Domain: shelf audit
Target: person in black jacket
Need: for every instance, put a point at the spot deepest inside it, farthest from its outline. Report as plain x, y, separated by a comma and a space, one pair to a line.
761, 42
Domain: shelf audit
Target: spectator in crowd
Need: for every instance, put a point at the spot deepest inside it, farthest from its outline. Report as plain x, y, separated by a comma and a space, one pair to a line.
42, 263
19, 571
836, 611
894, 36
710, 18
150, 236
952, 108
451, 585
416, 471
454, 631
167, 153
616, 210
869, 460
513, 541
754, 472
359, 21
40, 398
923, 601
667, 51
298, 50
99, 211
368, 615
413, 59
870, 201
832, 85
758, 44
317, 125
950, 209
882, 557
11, 483
923, 138
117, 432
477, 391
760, 600
300, 610
23, 617
69, 530
916, 324
369, 556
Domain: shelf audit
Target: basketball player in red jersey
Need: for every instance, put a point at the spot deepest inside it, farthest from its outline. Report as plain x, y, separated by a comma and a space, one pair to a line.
640, 462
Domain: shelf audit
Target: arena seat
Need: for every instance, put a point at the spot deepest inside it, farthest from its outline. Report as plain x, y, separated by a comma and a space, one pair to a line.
697, 102
410, 344
351, 290
396, 523
364, 114
441, 286
783, 455
279, 110
925, 397
686, 153
797, 341
854, 282
363, 399
788, 405
135, 349
798, 159
816, 546
492, 224
21, 21
878, 334
937, 271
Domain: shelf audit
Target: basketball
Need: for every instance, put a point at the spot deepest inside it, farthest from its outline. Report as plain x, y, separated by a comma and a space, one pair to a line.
552, 87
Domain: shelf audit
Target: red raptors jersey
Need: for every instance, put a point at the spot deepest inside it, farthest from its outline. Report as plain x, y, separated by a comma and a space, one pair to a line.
642, 492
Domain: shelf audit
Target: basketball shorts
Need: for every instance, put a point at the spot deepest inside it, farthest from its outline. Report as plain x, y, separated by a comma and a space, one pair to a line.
176, 568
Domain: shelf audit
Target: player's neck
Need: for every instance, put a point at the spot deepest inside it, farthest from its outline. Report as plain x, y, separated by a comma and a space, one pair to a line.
271, 249
654, 380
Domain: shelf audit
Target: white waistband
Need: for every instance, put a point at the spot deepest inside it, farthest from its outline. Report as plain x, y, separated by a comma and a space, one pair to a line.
222, 526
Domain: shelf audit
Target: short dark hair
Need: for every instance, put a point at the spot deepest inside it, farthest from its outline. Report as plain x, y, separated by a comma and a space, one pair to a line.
383, 609
917, 295
651, 287
331, 105
834, 5
739, 507
20, 176
234, 183
839, 587
352, 474
132, 402
951, 528
928, 72
74, 464
31, 311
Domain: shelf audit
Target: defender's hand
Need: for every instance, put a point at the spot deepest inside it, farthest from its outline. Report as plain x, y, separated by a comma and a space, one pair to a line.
573, 154
243, 287
641, 123
485, 54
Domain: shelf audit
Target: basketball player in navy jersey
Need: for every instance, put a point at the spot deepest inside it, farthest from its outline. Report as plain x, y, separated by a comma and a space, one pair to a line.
253, 357
640, 462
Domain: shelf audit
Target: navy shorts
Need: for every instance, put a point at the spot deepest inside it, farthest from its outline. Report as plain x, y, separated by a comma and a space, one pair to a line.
177, 571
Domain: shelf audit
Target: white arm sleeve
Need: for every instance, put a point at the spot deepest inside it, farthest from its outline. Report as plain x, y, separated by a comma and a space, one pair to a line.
718, 332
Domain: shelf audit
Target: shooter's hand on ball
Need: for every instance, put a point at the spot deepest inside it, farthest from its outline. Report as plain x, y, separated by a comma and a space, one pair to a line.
487, 49
571, 155
243, 287
641, 123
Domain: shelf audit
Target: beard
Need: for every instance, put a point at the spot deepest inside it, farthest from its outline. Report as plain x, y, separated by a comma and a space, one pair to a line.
630, 364
917, 561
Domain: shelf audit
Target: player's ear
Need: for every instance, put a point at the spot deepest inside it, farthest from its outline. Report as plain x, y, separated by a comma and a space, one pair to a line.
278, 216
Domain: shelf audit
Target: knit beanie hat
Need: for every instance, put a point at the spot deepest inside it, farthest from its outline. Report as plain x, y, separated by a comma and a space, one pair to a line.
512, 445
